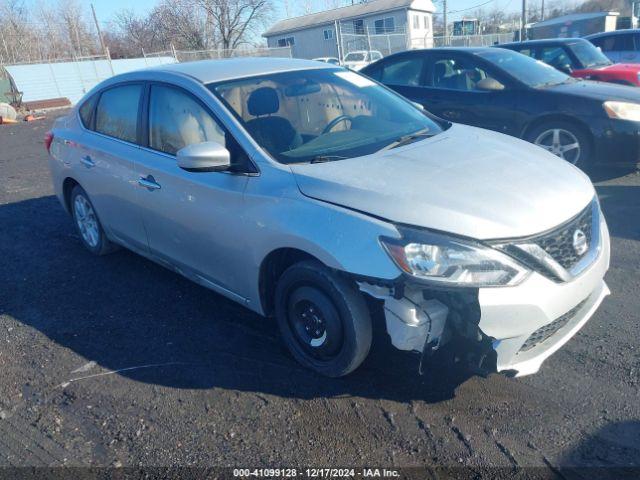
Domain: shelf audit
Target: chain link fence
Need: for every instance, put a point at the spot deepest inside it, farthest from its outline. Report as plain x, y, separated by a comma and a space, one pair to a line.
352, 39
473, 40
182, 56
71, 78
400, 40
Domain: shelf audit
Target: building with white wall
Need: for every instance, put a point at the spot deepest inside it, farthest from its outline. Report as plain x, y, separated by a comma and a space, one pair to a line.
384, 25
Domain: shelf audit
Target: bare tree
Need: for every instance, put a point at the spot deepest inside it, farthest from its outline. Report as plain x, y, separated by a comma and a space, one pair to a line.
235, 21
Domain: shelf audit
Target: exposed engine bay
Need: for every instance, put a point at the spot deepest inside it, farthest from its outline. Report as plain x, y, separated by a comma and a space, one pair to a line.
440, 325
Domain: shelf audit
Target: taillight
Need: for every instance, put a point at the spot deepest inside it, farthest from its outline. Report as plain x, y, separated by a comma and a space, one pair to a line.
48, 139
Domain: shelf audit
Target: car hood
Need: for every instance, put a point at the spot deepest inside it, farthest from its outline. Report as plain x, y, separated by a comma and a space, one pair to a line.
466, 181
598, 90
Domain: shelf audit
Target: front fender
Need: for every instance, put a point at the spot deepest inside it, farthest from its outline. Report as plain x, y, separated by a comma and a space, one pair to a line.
340, 238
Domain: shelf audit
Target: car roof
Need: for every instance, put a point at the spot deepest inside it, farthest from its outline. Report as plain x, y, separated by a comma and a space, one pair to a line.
614, 32
209, 71
542, 41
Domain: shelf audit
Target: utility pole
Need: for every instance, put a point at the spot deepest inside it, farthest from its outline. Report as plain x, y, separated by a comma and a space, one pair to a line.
444, 16
542, 11
95, 19
523, 22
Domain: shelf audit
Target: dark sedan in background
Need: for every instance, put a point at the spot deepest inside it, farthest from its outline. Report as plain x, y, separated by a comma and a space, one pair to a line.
581, 121
579, 58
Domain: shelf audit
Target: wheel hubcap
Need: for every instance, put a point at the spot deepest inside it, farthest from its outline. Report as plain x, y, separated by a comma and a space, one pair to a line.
86, 221
312, 323
315, 323
561, 143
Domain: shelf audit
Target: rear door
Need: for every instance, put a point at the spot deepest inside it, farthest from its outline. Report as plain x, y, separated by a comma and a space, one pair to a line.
106, 156
192, 218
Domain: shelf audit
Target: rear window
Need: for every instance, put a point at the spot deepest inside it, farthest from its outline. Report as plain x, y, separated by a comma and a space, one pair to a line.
86, 111
117, 112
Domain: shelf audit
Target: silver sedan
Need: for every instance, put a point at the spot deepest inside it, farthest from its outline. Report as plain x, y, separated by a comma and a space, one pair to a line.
301, 189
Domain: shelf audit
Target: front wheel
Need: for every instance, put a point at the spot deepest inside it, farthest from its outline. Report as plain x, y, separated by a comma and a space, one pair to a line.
323, 319
565, 140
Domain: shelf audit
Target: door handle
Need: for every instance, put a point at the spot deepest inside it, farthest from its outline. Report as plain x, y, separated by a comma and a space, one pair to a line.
149, 183
87, 161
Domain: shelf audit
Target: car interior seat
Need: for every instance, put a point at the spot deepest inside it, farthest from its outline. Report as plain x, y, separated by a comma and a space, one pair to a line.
275, 133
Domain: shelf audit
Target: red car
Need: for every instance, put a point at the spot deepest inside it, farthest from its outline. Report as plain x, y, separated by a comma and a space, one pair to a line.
578, 58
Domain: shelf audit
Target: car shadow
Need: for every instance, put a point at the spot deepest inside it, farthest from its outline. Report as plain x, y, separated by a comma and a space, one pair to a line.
602, 174
621, 205
146, 323
613, 452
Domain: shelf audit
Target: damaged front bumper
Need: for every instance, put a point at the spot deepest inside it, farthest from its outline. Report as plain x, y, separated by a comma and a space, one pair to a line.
510, 329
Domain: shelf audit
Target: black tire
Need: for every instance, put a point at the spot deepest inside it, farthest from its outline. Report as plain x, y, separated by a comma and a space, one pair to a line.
323, 319
102, 244
583, 138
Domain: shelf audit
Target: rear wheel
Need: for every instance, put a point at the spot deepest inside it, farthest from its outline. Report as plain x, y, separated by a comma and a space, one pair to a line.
323, 318
87, 223
565, 140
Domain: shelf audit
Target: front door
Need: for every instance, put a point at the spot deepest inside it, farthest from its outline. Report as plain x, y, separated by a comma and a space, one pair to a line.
450, 92
192, 219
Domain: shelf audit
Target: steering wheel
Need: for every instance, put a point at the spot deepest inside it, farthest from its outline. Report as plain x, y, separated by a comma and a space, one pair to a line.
336, 121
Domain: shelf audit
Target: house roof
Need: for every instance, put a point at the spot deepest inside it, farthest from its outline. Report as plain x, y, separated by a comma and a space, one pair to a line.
574, 17
343, 13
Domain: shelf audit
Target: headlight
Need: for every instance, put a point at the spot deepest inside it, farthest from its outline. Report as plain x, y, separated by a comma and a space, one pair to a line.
451, 262
623, 110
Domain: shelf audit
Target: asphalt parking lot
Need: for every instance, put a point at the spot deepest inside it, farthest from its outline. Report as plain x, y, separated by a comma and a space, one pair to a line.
115, 361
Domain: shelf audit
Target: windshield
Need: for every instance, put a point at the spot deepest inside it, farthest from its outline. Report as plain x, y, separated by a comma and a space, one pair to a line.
533, 73
588, 55
354, 57
321, 115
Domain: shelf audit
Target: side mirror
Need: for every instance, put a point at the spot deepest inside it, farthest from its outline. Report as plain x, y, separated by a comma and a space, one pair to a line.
489, 84
419, 106
204, 157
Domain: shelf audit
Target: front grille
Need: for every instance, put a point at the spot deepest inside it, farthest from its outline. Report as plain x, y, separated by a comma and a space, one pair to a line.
546, 331
559, 243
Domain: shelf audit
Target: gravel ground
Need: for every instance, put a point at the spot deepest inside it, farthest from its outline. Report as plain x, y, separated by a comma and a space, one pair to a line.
115, 361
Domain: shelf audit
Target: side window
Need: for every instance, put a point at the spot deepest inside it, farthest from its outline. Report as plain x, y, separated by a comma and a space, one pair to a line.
456, 74
375, 72
606, 44
623, 42
526, 51
555, 56
117, 112
405, 71
86, 111
177, 120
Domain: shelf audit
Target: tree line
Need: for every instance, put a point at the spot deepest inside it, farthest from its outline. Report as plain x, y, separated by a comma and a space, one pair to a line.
54, 29
33, 30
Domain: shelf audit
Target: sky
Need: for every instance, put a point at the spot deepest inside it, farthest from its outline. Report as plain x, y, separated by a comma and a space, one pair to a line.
106, 8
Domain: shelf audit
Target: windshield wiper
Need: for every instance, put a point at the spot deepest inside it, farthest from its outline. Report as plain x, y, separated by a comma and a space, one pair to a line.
406, 139
326, 158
